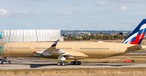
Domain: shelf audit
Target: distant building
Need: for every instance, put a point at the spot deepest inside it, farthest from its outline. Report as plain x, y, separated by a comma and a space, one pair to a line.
30, 35
89, 32
82, 33
125, 33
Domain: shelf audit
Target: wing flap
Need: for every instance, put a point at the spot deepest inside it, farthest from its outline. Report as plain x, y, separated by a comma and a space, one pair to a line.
75, 54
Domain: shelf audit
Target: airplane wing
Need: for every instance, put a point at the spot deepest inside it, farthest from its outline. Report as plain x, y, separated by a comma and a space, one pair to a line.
52, 50
48, 51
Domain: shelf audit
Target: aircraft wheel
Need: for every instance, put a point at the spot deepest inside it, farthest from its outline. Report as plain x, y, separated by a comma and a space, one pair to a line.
62, 63
72, 63
66, 63
9, 62
58, 64
75, 63
2, 62
78, 62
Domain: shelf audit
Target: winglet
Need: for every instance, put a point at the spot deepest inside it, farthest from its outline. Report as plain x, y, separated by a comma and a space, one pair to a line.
55, 43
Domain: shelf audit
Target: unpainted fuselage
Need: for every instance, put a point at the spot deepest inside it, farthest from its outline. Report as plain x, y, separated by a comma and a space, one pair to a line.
91, 49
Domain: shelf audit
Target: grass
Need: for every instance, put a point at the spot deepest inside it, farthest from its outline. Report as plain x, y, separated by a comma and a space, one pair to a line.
78, 72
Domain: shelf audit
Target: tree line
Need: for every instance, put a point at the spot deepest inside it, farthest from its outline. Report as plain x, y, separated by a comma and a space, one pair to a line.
95, 37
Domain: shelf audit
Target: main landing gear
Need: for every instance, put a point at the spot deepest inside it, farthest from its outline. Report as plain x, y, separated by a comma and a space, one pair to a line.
4, 60
62, 63
75, 62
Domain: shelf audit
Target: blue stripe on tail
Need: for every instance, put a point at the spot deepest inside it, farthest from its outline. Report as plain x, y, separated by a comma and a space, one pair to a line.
137, 35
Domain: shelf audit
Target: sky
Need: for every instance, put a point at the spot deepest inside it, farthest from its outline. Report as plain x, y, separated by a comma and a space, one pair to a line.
72, 14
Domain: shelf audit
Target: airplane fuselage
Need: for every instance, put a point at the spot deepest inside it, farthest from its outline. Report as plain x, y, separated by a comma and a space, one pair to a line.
91, 49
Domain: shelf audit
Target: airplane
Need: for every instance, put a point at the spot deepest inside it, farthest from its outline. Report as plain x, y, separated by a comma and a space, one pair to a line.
73, 49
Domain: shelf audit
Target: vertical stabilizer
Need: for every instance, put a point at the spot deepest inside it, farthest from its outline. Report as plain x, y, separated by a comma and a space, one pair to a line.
137, 35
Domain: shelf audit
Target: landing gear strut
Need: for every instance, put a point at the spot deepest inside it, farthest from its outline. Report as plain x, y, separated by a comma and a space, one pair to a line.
75, 62
4, 60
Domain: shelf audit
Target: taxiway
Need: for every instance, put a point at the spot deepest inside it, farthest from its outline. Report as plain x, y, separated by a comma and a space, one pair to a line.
37, 63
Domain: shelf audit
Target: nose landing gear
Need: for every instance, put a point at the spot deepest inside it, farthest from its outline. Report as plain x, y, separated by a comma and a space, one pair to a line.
4, 60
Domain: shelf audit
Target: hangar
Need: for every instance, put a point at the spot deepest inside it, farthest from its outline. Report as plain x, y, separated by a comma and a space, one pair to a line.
30, 35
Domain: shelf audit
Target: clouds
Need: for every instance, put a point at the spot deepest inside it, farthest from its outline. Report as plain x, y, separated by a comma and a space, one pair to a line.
18, 13
128, 1
67, 13
71, 14
124, 8
100, 3
3, 12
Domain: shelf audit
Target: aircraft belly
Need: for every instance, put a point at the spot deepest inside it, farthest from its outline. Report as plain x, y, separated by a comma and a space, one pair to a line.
96, 53
101, 53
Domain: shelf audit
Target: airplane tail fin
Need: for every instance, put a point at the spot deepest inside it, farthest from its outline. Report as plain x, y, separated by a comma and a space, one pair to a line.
137, 35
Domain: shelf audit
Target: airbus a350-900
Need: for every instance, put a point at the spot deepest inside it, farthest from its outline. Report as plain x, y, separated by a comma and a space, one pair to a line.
73, 49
